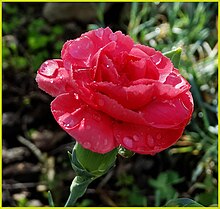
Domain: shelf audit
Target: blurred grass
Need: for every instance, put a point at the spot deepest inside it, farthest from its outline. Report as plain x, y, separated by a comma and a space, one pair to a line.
164, 26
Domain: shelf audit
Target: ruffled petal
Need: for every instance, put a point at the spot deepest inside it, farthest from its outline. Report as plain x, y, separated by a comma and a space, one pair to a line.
112, 108
165, 90
103, 36
53, 78
163, 64
132, 97
177, 80
102, 63
141, 68
168, 113
77, 53
145, 139
91, 128
146, 49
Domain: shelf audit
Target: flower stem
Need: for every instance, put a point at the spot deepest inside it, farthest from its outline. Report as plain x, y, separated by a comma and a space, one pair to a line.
77, 189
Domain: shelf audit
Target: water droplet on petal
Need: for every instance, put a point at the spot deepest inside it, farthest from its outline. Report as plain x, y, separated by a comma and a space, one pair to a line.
66, 120
96, 117
142, 133
128, 142
80, 48
87, 145
157, 58
48, 68
158, 136
136, 138
101, 102
107, 66
51, 81
184, 105
82, 124
88, 127
150, 141
97, 144
76, 96
113, 37
105, 142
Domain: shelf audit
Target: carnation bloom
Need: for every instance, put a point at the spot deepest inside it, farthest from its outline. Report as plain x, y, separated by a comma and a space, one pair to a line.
110, 91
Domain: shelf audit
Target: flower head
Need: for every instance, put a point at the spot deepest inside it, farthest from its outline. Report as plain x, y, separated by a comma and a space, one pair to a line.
110, 91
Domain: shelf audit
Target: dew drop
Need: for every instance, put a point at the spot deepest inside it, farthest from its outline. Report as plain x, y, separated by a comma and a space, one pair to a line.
200, 114
101, 102
113, 37
61, 77
105, 142
49, 68
51, 81
87, 145
108, 66
136, 138
88, 127
82, 124
79, 48
142, 133
128, 142
157, 58
97, 144
76, 96
150, 141
96, 117
66, 120
158, 136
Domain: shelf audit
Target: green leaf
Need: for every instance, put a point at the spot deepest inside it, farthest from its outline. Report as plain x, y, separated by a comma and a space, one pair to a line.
50, 199
183, 202
174, 55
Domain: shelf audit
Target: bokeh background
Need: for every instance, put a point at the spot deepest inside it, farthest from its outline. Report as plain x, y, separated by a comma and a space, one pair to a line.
35, 148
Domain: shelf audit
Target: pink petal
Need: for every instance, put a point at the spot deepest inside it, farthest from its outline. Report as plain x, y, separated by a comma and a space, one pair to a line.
92, 129
138, 53
101, 61
142, 68
164, 90
103, 36
177, 80
164, 65
100, 37
53, 78
77, 53
144, 139
107, 70
124, 43
132, 97
168, 113
112, 108
146, 49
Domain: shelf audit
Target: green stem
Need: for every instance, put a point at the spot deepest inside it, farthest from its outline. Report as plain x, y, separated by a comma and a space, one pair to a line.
77, 189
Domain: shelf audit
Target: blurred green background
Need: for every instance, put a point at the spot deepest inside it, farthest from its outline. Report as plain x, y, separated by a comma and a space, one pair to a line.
35, 148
